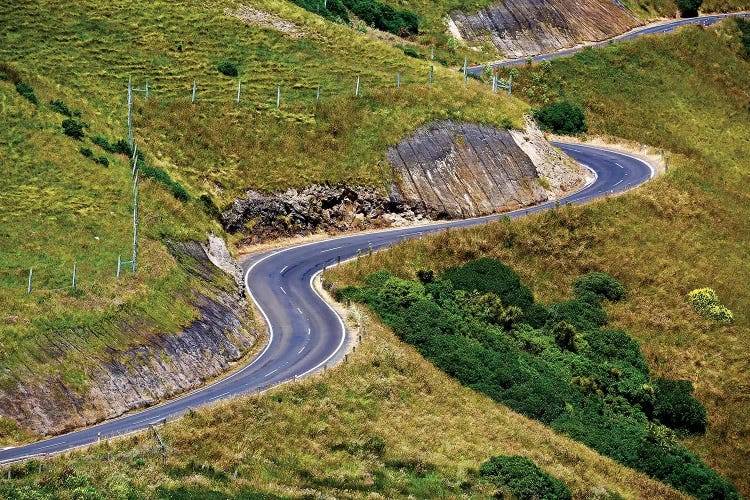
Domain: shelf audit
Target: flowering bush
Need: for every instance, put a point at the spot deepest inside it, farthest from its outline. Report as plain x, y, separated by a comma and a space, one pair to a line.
705, 301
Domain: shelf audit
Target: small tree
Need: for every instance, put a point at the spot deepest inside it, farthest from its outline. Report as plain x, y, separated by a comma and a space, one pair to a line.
228, 68
562, 118
689, 8
518, 477
73, 128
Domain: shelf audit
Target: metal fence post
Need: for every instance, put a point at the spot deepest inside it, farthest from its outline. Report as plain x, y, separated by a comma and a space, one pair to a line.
31, 275
398, 80
75, 268
278, 96
466, 75
194, 89
432, 69
356, 91
239, 89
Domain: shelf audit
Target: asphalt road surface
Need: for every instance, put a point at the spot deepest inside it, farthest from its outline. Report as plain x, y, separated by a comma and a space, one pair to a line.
305, 333
646, 30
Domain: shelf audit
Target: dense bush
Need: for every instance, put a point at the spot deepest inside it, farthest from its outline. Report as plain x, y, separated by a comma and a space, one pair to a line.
121, 146
102, 160
561, 118
676, 408
561, 368
602, 284
161, 176
73, 128
384, 17
27, 91
744, 26
689, 8
334, 10
60, 107
519, 477
489, 275
86, 152
228, 68
705, 301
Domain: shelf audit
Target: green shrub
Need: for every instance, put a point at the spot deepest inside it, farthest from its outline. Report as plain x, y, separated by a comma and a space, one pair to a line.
228, 68
488, 275
27, 91
602, 284
705, 301
688, 8
73, 128
676, 408
384, 17
595, 388
60, 107
561, 118
102, 160
518, 477
334, 10
744, 26
101, 141
4, 76
411, 52
86, 152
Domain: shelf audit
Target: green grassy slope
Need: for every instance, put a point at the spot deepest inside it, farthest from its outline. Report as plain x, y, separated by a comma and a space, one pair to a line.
222, 148
686, 93
61, 207
386, 424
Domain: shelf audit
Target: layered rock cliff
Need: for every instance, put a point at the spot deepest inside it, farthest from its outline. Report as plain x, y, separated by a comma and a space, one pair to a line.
469, 170
521, 28
167, 365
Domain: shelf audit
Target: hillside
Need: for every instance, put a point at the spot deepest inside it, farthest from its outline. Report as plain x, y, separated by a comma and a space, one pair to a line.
682, 231
71, 357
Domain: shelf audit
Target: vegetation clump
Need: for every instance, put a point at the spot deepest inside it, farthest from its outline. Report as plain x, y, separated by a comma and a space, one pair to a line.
73, 128
518, 477
706, 302
228, 68
689, 8
556, 363
27, 91
59, 106
562, 118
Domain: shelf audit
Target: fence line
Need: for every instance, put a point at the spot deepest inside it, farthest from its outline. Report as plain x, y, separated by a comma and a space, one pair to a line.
195, 97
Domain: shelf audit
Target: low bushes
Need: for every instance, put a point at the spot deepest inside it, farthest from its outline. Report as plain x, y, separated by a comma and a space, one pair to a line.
384, 17
120, 147
518, 477
27, 91
228, 68
73, 128
562, 118
562, 368
706, 302
689, 8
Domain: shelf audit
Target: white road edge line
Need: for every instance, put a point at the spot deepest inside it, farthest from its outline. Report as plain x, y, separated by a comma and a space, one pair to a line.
282, 289
282, 271
341, 324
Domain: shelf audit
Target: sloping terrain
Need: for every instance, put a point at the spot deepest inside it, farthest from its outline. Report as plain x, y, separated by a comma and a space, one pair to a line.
687, 93
467, 170
521, 28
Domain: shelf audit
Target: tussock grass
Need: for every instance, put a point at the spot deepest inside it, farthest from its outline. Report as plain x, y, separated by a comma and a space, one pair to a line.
686, 93
322, 435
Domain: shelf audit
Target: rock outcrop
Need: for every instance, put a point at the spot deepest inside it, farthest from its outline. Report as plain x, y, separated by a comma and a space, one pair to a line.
522, 28
167, 365
316, 207
468, 170
443, 170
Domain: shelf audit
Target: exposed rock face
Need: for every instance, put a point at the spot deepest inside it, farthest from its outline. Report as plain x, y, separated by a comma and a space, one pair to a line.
522, 28
144, 375
317, 207
469, 170
442, 170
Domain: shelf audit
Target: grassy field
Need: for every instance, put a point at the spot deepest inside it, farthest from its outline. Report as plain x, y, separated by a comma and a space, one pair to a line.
61, 208
686, 93
217, 146
386, 424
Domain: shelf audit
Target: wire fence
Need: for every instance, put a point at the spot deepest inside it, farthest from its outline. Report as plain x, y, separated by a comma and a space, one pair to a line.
257, 92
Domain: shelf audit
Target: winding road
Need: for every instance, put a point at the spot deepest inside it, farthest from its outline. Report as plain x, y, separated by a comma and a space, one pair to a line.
651, 29
305, 333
